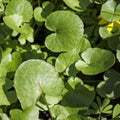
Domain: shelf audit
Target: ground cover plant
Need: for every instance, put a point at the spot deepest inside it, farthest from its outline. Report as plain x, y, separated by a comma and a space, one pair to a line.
59, 59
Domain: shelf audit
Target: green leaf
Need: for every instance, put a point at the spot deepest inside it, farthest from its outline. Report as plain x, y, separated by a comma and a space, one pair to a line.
4, 116
104, 33
62, 112
40, 13
81, 96
34, 78
116, 110
68, 32
20, 7
30, 113
118, 52
64, 61
110, 11
3, 97
75, 117
110, 87
77, 5
14, 21
26, 34
95, 60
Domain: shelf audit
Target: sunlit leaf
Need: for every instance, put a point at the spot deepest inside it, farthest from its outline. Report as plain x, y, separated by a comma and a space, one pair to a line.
95, 60
67, 32
20, 7
34, 78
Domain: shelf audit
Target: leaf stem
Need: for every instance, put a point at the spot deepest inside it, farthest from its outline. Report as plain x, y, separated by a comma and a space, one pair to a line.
47, 107
39, 3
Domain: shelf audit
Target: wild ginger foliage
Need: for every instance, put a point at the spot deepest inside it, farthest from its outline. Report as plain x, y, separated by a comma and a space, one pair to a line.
59, 60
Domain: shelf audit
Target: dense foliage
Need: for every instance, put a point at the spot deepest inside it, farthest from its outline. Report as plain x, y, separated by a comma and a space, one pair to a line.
59, 59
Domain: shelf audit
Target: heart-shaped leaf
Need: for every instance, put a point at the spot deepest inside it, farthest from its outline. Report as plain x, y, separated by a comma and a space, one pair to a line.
95, 60
34, 78
67, 32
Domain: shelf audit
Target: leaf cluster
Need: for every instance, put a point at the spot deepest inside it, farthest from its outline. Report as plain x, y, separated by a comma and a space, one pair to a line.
59, 59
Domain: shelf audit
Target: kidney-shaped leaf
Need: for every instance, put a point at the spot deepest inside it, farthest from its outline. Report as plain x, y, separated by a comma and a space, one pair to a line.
34, 78
111, 11
67, 28
95, 60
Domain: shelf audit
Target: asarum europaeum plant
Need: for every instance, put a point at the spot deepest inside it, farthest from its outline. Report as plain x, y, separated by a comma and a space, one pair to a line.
60, 60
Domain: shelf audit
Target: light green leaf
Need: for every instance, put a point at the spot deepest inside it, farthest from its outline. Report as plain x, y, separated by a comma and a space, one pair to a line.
20, 7
110, 11
3, 97
67, 32
59, 111
118, 52
4, 116
14, 21
116, 110
26, 34
34, 78
64, 61
95, 60
77, 5
40, 13
30, 113
104, 33
110, 88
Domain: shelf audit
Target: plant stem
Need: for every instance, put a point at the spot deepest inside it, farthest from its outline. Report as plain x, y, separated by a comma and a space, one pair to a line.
39, 3
47, 106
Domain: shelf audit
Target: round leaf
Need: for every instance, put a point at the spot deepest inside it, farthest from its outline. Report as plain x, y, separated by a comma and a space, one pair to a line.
21, 7
95, 60
34, 78
67, 32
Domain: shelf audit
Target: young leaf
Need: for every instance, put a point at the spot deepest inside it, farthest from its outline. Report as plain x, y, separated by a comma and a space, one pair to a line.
67, 32
34, 78
95, 60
